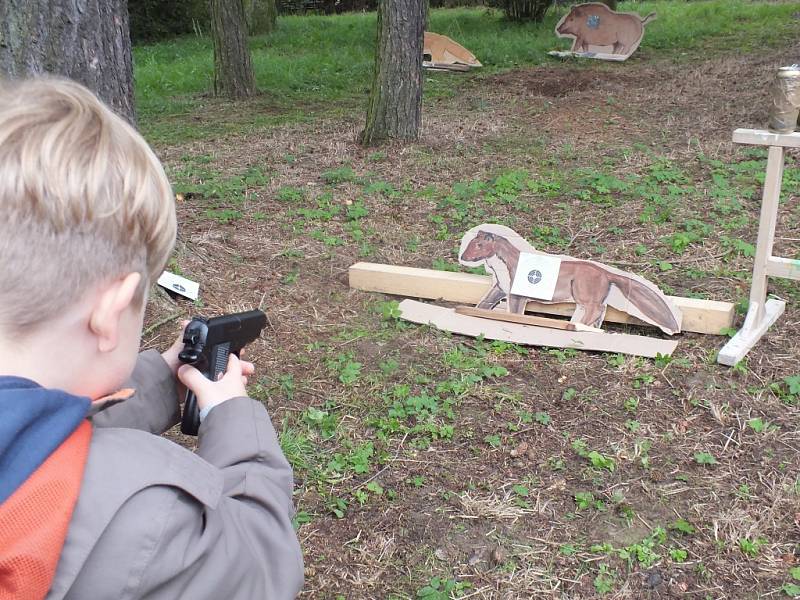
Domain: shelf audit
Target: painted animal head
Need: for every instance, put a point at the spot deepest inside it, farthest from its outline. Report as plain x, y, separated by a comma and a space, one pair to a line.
581, 18
483, 245
572, 22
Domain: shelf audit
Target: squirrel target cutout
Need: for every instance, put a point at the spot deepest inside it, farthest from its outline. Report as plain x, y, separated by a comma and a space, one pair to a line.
521, 273
599, 32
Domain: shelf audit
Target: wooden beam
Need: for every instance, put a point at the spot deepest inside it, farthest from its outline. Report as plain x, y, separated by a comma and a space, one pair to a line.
699, 316
788, 268
501, 315
447, 319
762, 137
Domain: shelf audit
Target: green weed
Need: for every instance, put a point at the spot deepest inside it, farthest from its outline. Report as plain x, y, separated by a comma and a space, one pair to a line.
705, 458
347, 370
682, 526
443, 589
604, 580
224, 215
678, 555
601, 461
338, 175
751, 547
291, 194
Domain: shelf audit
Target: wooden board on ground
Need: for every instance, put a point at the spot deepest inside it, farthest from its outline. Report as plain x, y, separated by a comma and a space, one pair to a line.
699, 316
598, 55
499, 315
447, 319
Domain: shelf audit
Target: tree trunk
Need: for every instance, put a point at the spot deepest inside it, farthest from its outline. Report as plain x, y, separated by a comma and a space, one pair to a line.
87, 41
612, 4
233, 71
261, 15
395, 104
527, 10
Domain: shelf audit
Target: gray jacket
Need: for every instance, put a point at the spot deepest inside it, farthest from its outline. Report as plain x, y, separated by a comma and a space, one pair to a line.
156, 521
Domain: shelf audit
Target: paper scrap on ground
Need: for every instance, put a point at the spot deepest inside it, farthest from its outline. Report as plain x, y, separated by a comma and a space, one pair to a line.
179, 285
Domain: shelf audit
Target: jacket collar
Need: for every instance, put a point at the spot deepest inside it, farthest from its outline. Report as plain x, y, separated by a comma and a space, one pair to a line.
34, 421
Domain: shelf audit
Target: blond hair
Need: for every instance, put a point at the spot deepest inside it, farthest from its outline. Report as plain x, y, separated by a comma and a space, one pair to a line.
83, 200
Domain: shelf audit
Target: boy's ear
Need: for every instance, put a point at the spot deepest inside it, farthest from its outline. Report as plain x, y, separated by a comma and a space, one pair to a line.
104, 321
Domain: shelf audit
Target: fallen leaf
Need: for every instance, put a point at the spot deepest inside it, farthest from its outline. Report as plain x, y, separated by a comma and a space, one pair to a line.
520, 450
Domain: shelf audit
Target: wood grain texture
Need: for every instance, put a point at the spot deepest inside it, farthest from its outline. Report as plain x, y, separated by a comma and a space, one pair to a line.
233, 69
763, 137
499, 315
87, 41
395, 102
447, 319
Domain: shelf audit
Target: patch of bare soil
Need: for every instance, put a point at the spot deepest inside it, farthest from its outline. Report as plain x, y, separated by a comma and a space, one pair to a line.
497, 505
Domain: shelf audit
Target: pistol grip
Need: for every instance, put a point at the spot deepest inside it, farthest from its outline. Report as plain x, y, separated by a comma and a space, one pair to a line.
218, 361
190, 422
217, 364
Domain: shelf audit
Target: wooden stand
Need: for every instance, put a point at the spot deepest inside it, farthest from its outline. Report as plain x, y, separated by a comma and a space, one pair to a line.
762, 313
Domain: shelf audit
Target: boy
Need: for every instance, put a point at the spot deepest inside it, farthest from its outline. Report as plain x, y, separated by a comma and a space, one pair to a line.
96, 506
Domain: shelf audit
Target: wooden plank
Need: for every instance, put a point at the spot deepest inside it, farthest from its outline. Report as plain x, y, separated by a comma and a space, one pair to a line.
788, 268
700, 316
499, 315
447, 319
763, 137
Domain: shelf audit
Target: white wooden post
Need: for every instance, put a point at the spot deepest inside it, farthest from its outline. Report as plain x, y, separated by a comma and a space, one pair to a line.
762, 313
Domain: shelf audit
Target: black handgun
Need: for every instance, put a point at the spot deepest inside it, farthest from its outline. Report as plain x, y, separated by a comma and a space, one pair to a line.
207, 343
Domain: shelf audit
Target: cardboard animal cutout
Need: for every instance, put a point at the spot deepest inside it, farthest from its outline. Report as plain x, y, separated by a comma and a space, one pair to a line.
599, 32
441, 53
520, 273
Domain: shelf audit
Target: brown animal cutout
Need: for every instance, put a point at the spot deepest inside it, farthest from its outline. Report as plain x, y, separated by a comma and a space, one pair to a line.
590, 285
442, 53
599, 32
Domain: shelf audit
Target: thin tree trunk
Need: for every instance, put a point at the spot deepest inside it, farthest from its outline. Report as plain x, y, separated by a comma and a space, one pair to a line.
233, 71
270, 17
261, 15
395, 105
527, 10
87, 41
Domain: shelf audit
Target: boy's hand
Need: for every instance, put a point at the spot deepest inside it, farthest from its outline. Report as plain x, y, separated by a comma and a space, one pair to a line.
170, 355
210, 393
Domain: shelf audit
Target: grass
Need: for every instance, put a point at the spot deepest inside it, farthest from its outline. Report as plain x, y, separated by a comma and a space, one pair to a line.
322, 65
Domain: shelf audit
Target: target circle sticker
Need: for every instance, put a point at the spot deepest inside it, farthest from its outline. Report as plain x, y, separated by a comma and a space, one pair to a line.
536, 276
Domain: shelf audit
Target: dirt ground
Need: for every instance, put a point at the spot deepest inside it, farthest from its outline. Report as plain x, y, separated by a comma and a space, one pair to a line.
507, 502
